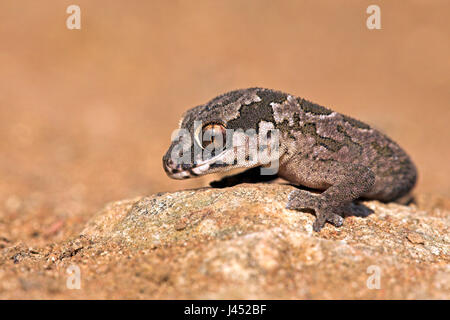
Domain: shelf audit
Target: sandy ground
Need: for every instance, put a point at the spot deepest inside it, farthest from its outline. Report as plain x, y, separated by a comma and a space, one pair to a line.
86, 115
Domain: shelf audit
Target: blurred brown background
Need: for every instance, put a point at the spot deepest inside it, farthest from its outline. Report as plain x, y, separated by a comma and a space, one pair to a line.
86, 115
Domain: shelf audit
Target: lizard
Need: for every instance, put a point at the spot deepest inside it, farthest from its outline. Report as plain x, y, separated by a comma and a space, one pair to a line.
344, 159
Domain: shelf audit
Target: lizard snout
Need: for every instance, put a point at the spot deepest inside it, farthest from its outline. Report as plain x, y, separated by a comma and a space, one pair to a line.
176, 171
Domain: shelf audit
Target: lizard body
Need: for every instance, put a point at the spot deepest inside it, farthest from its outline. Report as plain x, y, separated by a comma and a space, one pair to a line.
319, 148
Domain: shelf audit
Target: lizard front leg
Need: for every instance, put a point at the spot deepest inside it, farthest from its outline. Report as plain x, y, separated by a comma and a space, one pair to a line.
346, 182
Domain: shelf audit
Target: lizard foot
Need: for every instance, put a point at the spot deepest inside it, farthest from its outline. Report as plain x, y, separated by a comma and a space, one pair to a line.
301, 199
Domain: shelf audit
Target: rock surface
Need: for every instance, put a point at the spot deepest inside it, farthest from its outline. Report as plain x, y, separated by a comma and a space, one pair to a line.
241, 242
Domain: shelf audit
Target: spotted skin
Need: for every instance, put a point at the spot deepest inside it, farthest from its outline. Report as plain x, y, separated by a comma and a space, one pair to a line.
319, 148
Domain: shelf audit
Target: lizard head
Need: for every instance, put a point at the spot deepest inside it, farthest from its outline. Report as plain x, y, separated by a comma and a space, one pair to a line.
225, 133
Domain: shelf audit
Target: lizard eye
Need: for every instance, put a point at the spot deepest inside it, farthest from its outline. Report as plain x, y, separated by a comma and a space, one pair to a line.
213, 136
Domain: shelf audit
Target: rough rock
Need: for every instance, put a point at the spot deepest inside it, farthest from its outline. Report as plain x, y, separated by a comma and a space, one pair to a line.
241, 242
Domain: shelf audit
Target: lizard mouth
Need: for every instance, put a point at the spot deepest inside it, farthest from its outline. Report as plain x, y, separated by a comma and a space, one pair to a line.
186, 171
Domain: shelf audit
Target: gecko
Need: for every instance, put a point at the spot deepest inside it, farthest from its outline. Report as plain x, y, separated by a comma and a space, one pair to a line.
339, 157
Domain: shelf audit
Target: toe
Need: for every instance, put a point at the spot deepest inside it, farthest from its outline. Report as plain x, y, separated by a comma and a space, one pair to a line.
318, 223
299, 199
336, 220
